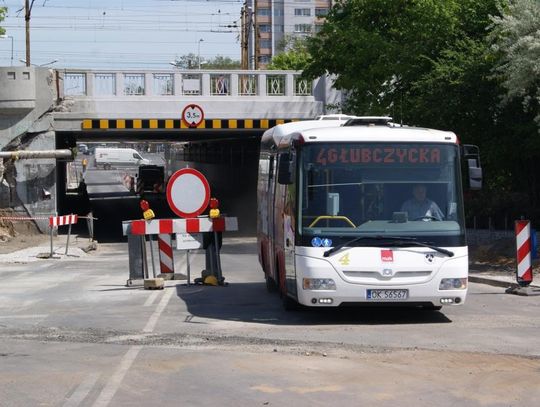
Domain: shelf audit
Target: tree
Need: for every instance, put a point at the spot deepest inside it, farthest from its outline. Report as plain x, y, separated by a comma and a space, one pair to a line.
220, 62
294, 54
379, 48
190, 61
3, 11
515, 37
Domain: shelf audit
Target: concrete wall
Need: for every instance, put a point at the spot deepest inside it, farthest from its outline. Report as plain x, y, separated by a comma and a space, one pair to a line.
36, 181
27, 96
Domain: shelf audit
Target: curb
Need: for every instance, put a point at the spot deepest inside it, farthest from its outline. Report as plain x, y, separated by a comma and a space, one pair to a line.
497, 283
491, 281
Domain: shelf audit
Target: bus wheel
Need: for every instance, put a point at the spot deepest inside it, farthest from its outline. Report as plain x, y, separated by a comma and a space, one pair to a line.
270, 283
288, 303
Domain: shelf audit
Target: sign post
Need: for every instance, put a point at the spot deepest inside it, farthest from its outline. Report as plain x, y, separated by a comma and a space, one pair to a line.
188, 195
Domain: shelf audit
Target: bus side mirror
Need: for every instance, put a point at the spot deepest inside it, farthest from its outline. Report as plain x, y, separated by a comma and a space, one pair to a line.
286, 169
471, 155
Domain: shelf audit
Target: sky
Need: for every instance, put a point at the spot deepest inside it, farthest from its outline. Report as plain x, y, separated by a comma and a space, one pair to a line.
120, 34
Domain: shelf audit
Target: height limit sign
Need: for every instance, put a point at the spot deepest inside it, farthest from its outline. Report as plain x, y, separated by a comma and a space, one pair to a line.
192, 115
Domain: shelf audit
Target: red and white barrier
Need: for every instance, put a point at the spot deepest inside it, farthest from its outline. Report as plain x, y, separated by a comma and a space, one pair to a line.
166, 258
190, 225
523, 247
55, 221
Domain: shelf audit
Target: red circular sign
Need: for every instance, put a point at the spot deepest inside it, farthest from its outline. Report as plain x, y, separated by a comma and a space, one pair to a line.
192, 115
188, 193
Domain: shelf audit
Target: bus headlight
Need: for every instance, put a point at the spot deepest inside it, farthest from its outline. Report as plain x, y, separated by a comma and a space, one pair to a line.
318, 284
453, 284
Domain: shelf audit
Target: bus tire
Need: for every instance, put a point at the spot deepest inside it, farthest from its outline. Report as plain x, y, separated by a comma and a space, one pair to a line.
271, 285
288, 303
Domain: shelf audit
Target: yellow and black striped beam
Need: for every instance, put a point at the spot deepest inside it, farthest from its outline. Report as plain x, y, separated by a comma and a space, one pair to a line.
175, 124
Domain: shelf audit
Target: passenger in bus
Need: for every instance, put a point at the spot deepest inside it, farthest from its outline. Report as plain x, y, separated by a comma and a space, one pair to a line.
420, 207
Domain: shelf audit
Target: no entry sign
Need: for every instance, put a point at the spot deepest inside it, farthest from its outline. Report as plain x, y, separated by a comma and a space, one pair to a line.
188, 193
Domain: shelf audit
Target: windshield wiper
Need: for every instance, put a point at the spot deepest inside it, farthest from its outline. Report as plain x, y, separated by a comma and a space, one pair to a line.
356, 239
436, 248
397, 241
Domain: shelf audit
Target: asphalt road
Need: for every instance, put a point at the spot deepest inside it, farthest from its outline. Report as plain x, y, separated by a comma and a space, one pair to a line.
73, 334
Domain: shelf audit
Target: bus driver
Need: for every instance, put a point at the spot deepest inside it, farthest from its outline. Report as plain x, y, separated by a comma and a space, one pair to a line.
420, 207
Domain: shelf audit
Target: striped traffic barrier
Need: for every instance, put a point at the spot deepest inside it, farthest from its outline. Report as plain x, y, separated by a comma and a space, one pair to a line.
189, 225
55, 221
166, 257
63, 220
524, 273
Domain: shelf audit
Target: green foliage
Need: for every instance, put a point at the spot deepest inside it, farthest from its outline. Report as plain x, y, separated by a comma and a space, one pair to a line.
378, 48
190, 61
3, 11
220, 62
294, 55
516, 39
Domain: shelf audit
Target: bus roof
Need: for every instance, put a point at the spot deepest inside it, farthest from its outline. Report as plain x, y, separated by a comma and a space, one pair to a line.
316, 131
277, 133
389, 133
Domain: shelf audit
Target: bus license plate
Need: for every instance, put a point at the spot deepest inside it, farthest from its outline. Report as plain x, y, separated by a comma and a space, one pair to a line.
387, 294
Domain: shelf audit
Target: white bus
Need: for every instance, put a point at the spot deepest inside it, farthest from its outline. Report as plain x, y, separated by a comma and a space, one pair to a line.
333, 229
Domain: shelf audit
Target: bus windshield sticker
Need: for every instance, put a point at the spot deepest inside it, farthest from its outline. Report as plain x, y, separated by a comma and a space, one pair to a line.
316, 242
387, 255
326, 242
379, 155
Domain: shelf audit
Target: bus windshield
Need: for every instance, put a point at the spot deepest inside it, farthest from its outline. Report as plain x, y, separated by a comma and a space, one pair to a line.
383, 189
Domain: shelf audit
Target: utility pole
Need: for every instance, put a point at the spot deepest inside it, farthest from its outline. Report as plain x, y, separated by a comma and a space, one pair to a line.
245, 35
257, 35
27, 13
243, 42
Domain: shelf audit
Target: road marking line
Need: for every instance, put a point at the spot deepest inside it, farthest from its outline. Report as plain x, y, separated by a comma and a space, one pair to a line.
150, 325
116, 379
151, 298
82, 391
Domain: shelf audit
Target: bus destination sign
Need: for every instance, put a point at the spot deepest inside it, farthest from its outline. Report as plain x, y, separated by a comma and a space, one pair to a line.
379, 155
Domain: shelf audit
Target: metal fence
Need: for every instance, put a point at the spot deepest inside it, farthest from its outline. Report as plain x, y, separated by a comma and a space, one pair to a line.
180, 83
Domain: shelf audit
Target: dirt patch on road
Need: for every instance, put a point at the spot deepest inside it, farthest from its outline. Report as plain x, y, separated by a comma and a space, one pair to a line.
17, 235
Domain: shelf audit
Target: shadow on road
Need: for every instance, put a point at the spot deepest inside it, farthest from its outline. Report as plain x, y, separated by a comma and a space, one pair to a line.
251, 302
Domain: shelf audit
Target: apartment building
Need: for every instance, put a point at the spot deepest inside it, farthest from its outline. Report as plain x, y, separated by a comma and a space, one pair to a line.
273, 20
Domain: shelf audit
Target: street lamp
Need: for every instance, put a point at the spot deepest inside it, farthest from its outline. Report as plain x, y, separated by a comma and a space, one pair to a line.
9, 36
199, 53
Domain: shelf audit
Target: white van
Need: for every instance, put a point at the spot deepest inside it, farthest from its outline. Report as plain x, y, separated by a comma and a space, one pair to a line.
107, 158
